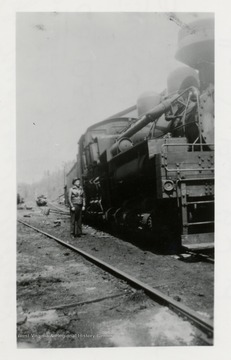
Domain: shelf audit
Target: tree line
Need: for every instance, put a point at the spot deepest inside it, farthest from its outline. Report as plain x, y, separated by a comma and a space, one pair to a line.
51, 185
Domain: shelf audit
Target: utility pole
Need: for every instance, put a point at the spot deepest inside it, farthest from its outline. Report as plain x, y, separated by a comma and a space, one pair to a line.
64, 174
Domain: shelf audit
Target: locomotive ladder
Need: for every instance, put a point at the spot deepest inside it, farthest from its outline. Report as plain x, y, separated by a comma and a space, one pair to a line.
194, 240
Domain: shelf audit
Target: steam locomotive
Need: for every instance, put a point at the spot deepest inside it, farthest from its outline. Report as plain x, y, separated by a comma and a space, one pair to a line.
154, 173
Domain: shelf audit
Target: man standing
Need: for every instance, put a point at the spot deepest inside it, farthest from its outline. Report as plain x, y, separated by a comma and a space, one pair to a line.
76, 200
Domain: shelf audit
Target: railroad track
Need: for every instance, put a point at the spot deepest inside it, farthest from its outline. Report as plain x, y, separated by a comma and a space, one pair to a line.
197, 253
57, 209
206, 326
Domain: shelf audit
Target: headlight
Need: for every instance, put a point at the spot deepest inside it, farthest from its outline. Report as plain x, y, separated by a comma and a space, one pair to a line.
168, 185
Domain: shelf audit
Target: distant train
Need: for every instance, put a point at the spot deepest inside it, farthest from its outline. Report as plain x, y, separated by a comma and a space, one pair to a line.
153, 173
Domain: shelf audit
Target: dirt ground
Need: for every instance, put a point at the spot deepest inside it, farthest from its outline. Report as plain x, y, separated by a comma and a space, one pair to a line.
65, 301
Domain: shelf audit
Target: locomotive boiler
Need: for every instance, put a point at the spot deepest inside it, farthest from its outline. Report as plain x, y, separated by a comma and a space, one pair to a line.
154, 173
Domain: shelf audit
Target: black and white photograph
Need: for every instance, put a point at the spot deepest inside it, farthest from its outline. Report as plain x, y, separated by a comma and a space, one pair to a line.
115, 179
112, 242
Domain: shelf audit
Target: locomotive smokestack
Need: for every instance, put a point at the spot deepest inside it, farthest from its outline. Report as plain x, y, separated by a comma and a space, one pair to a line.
196, 49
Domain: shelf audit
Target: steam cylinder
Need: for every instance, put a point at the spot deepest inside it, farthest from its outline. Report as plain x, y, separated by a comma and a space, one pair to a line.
181, 79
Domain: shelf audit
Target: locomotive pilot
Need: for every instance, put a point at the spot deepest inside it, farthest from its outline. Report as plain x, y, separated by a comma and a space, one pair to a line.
76, 200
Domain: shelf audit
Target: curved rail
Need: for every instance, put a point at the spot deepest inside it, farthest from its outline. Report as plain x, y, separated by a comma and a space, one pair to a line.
63, 211
205, 325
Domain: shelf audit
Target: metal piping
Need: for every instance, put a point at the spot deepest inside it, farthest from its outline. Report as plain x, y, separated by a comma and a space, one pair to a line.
153, 115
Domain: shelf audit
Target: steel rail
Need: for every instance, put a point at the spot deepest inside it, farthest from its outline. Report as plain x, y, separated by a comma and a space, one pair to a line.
204, 256
59, 209
205, 325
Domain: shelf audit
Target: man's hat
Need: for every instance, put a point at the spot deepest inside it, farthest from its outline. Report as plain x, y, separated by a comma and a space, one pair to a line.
74, 180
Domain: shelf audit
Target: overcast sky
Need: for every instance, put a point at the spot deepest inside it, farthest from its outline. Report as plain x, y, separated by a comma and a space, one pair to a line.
75, 69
